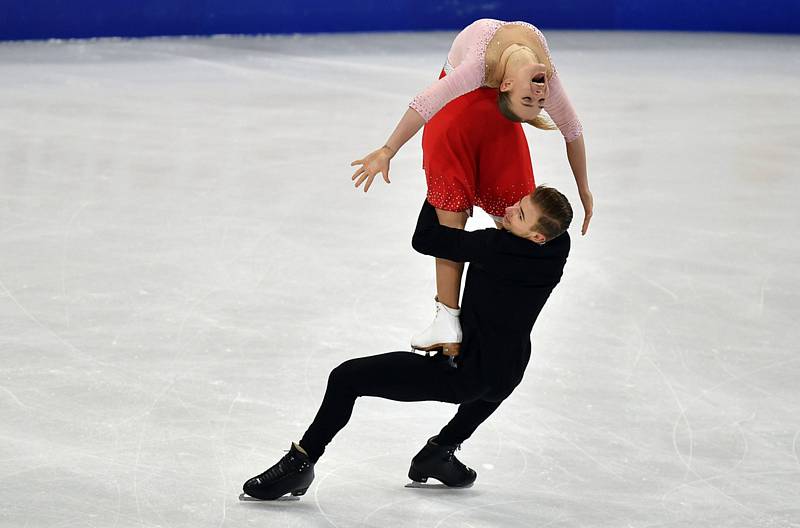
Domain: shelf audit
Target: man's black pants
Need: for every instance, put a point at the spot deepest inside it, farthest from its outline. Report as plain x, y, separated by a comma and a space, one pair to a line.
399, 376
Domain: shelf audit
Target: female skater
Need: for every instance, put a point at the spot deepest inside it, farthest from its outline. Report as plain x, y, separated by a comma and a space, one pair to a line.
512, 58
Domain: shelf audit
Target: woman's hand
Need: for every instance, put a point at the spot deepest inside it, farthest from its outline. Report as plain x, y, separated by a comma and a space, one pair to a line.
375, 162
576, 154
588, 206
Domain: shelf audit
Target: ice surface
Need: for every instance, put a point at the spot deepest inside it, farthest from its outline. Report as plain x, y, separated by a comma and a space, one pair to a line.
183, 259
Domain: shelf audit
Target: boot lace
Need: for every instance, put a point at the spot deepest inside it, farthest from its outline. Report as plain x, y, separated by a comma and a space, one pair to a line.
275, 471
285, 465
451, 457
451, 450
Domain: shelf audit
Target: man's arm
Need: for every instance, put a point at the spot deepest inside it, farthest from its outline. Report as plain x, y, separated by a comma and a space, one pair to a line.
436, 240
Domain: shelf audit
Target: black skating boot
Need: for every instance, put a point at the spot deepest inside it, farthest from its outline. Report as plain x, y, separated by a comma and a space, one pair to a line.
292, 474
439, 462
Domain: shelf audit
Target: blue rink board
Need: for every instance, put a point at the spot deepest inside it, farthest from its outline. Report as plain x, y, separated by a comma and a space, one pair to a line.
43, 19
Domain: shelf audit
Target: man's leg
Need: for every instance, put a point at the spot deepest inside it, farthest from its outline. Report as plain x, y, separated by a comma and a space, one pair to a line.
399, 376
437, 458
469, 416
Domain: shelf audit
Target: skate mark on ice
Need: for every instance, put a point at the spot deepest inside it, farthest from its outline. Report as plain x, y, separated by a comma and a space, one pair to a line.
379, 508
221, 459
337, 63
730, 473
318, 487
599, 431
255, 73
10, 228
742, 377
167, 387
703, 393
521, 451
14, 397
188, 315
794, 447
64, 241
731, 374
479, 507
118, 512
689, 468
606, 467
656, 285
761, 292
77, 352
681, 417
561, 518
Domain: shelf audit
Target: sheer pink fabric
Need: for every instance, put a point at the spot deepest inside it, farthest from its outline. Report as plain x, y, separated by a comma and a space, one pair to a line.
466, 70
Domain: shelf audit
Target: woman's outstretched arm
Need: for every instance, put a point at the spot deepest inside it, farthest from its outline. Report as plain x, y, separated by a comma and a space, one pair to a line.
378, 160
464, 78
561, 111
576, 154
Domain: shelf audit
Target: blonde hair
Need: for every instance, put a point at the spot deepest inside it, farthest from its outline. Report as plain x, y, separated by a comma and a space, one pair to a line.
541, 121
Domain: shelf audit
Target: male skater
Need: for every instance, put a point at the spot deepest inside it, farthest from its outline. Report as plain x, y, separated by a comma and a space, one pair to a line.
511, 274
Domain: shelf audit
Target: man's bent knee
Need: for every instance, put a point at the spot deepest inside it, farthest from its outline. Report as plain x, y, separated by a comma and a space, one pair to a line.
343, 374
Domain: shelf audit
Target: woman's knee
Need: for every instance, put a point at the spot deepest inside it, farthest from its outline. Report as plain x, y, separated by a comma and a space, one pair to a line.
452, 219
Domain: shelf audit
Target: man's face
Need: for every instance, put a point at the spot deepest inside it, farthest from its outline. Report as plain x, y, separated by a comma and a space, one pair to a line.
520, 219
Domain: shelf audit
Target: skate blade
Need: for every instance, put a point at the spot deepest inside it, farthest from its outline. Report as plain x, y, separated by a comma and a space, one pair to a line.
285, 498
448, 349
421, 485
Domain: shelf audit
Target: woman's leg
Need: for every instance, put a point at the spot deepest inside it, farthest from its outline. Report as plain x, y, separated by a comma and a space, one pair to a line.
448, 273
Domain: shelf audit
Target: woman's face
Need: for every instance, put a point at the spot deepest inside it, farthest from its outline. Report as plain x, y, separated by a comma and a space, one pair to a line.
526, 84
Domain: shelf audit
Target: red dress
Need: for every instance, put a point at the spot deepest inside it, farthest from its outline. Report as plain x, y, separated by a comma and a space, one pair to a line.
472, 155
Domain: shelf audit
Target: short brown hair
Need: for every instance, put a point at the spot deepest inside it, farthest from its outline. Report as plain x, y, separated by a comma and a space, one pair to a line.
556, 212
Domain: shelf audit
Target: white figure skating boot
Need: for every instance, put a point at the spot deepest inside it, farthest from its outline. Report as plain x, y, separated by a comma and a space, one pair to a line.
444, 333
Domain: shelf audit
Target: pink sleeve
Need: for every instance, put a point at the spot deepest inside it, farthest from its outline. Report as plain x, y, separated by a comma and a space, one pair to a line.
466, 77
560, 110
558, 105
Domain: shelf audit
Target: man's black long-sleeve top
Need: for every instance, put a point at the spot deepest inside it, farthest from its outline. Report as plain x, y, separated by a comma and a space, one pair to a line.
508, 282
